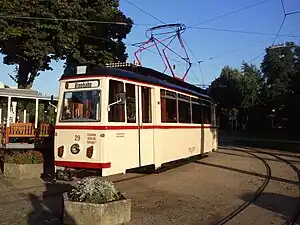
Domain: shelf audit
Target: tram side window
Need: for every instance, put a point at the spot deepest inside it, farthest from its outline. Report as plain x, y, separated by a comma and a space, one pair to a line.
130, 103
196, 113
207, 118
146, 105
168, 101
184, 109
117, 111
213, 115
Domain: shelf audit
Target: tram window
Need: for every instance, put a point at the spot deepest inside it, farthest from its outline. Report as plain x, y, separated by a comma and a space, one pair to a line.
213, 115
81, 106
117, 111
146, 105
184, 109
130, 103
207, 113
196, 113
168, 106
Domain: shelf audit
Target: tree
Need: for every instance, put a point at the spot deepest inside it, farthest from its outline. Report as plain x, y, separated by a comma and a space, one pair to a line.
237, 91
31, 44
250, 84
280, 71
225, 89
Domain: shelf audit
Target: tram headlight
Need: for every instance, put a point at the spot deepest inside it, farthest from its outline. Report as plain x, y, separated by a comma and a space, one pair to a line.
75, 149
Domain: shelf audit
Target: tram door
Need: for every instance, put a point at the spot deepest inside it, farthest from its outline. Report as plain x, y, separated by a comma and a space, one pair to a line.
145, 126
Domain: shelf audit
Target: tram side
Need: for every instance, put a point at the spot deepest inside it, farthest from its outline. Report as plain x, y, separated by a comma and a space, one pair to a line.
186, 126
154, 125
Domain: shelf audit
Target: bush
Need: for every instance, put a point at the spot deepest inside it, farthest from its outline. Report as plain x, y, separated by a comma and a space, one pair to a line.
94, 190
27, 157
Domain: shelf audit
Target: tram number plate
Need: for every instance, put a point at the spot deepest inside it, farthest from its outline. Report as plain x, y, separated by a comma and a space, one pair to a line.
77, 138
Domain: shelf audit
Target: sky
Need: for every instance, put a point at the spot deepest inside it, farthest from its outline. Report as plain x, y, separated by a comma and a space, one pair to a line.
214, 48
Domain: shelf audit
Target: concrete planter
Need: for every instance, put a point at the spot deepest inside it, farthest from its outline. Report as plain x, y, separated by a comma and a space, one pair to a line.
79, 213
23, 170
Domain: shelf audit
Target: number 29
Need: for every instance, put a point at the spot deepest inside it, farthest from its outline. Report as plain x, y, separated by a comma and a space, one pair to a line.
77, 137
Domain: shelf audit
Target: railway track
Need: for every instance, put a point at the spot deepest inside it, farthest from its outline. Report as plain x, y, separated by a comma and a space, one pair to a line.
253, 151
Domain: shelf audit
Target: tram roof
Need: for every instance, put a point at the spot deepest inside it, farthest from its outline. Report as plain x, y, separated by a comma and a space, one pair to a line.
136, 73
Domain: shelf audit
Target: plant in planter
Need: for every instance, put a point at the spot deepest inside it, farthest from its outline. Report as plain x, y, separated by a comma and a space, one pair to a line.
26, 164
95, 201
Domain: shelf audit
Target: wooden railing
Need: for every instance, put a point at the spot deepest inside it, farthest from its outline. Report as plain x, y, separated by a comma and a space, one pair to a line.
27, 130
20, 130
44, 130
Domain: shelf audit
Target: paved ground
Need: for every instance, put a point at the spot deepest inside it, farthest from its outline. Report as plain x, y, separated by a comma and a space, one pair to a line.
201, 192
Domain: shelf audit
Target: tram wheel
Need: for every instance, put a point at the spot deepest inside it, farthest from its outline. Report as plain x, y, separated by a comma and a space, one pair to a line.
60, 175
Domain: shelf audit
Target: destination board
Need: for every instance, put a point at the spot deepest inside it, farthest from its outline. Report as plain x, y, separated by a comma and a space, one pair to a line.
83, 84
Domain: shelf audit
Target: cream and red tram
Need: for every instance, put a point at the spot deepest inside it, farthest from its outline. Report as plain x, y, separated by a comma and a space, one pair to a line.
114, 119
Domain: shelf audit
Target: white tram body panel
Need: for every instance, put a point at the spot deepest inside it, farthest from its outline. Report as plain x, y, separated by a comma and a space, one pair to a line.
140, 131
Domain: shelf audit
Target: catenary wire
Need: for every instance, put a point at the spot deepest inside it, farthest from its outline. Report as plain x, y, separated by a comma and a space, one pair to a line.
230, 13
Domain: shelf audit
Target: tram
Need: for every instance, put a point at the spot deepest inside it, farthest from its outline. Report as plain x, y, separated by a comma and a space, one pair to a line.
126, 116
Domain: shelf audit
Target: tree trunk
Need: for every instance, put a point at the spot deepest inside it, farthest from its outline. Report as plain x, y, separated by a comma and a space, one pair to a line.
24, 81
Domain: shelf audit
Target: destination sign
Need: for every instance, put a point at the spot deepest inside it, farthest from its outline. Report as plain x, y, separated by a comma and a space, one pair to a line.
83, 84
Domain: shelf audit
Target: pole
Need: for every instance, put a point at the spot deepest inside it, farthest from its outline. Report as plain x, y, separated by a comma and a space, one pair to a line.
8, 112
36, 113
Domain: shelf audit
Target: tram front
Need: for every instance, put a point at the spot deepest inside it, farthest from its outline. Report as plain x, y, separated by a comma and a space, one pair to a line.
78, 125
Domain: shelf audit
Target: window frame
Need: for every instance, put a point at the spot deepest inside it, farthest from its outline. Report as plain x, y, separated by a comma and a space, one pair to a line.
166, 96
108, 96
81, 121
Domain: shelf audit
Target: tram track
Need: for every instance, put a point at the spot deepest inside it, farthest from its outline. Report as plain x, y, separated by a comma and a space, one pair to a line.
257, 193
296, 214
253, 151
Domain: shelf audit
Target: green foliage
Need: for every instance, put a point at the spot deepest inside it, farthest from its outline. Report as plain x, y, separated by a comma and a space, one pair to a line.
270, 94
31, 45
278, 67
27, 157
235, 88
94, 190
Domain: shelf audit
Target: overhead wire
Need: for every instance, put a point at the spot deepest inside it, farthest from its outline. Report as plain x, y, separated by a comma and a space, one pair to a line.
285, 14
243, 32
154, 17
292, 13
198, 62
230, 13
70, 20
232, 51
194, 26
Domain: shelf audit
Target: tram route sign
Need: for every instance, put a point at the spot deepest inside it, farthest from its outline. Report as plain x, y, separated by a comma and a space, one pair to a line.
83, 84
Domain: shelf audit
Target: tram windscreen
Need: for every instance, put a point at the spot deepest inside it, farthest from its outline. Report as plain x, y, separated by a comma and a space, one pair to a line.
81, 106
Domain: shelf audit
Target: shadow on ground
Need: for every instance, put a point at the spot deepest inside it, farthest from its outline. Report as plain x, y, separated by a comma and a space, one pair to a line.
249, 156
284, 205
48, 209
286, 152
247, 172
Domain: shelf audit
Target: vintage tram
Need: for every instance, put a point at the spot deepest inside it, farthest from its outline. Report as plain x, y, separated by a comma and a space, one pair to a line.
126, 116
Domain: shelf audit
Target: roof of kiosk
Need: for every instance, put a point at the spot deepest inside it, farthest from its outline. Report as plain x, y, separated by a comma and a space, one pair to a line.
6, 91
